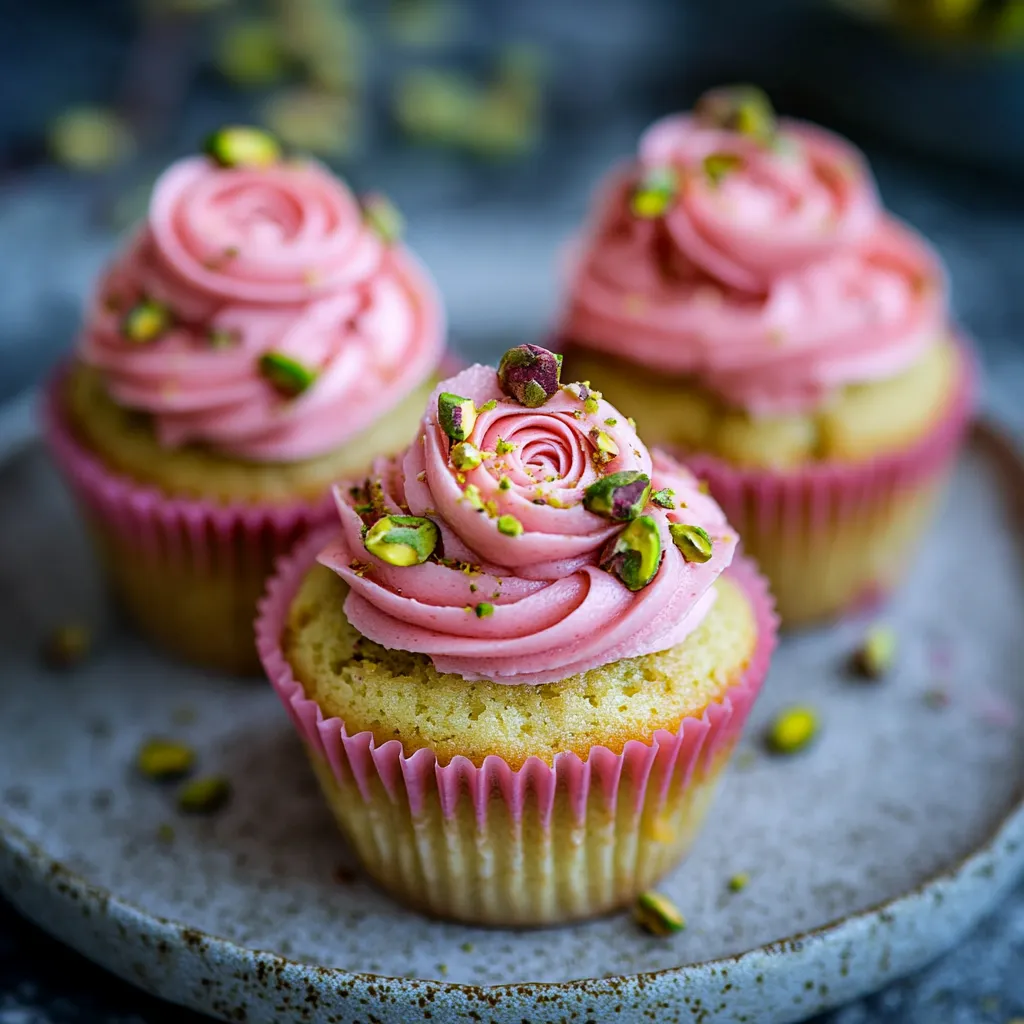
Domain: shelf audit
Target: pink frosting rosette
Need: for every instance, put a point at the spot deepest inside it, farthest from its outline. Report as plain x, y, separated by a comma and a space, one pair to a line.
765, 266
274, 321
526, 511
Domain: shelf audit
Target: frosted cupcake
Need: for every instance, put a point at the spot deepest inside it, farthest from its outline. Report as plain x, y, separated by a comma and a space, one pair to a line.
743, 294
523, 656
261, 336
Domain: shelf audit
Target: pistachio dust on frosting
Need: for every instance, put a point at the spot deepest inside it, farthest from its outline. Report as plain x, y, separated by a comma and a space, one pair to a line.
755, 255
565, 546
257, 311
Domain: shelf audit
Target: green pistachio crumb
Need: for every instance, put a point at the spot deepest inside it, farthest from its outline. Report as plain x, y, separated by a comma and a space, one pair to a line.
287, 376
402, 540
146, 321
611, 421
204, 795
472, 495
456, 415
665, 498
654, 193
467, 947
503, 447
504, 484
692, 541
162, 759
739, 882
489, 405
483, 609
792, 730
383, 218
631, 422
657, 914
876, 654
242, 146
509, 525
590, 406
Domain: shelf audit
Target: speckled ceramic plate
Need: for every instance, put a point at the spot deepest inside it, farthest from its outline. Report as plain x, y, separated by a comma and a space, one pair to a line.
867, 855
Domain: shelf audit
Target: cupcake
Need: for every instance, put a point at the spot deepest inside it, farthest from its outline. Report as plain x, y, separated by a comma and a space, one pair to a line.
522, 657
743, 293
261, 336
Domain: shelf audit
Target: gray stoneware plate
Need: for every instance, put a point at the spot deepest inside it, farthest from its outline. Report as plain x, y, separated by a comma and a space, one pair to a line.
868, 855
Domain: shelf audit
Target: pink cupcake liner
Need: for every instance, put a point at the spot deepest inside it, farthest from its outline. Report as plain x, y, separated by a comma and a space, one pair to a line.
199, 532
671, 758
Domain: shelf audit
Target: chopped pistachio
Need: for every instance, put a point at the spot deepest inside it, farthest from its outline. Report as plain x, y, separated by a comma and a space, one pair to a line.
876, 654
740, 108
635, 554
619, 496
792, 730
529, 374
692, 541
590, 406
657, 914
250, 53
472, 495
456, 415
383, 218
509, 525
483, 609
286, 375
718, 165
655, 192
402, 540
67, 646
204, 795
242, 146
606, 448
222, 337
467, 947
504, 484
665, 497
465, 455
488, 405
162, 759
89, 139
611, 421
146, 321
503, 447
739, 882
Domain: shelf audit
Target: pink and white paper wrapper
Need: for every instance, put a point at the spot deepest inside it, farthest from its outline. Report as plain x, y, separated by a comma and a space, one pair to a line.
835, 537
189, 571
541, 843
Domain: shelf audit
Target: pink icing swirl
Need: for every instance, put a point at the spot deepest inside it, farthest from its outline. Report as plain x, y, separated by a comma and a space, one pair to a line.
775, 284
265, 259
555, 611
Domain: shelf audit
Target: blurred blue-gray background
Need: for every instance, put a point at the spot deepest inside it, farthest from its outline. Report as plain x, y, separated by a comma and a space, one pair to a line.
489, 122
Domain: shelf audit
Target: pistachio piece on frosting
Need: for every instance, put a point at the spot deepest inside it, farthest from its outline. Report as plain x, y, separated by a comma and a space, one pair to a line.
740, 108
665, 498
605, 448
509, 525
383, 218
456, 414
653, 195
146, 321
529, 374
285, 374
619, 496
718, 165
401, 540
693, 541
242, 146
635, 554
465, 455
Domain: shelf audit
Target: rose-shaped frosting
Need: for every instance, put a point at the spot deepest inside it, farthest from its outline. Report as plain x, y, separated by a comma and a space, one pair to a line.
247, 261
773, 275
530, 604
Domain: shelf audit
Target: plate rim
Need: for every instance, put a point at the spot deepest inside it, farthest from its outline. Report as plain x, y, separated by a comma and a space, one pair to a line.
997, 860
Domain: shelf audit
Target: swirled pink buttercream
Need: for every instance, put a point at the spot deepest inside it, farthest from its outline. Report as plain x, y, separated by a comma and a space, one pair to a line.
551, 611
774, 278
255, 260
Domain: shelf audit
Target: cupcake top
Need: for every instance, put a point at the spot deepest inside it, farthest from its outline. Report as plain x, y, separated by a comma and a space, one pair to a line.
527, 534
754, 253
261, 309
